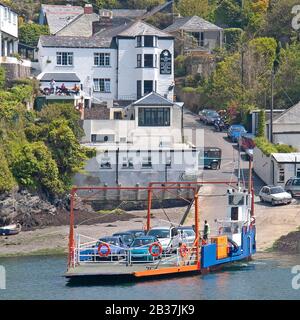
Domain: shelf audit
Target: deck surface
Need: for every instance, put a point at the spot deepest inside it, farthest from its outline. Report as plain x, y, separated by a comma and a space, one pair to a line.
111, 269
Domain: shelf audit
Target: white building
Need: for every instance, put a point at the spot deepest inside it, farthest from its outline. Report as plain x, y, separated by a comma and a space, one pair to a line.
117, 63
277, 168
8, 31
145, 146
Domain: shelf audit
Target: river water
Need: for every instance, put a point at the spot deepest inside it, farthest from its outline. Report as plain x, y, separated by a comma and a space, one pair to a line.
267, 276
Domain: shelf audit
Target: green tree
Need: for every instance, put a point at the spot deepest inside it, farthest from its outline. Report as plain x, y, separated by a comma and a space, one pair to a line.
107, 4
193, 7
143, 4
229, 14
29, 33
261, 123
7, 181
2, 78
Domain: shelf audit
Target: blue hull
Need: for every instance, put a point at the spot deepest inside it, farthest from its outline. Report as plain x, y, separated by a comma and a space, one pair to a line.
245, 251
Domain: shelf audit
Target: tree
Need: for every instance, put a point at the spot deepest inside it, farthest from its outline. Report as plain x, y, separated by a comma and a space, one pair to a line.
278, 22
261, 123
143, 4
107, 4
2, 78
7, 181
29, 33
229, 14
194, 7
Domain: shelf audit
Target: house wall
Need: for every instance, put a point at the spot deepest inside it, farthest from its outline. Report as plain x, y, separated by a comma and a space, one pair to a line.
127, 63
262, 166
8, 25
83, 66
292, 139
182, 164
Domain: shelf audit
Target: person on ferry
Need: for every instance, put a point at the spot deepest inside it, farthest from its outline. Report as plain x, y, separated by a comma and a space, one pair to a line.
206, 231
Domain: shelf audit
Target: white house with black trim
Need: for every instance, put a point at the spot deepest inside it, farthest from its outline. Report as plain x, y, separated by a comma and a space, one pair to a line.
146, 145
124, 62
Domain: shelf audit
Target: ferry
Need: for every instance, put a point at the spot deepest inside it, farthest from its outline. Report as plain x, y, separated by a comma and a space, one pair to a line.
91, 259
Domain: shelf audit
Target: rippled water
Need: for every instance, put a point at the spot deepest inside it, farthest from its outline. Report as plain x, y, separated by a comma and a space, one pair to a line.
268, 276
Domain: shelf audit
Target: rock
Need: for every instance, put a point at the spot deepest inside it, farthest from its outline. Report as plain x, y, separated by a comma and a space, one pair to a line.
22, 207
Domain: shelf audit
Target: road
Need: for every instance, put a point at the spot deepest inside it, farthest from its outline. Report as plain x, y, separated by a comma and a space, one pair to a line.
272, 222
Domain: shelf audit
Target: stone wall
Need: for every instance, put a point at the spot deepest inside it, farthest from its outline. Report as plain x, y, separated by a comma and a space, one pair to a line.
16, 71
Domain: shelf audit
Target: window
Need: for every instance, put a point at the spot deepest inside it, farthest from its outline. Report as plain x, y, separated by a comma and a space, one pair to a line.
5, 13
139, 60
147, 162
139, 41
298, 172
102, 85
9, 16
148, 41
154, 117
14, 19
148, 60
139, 89
199, 36
64, 58
148, 86
281, 175
102, 59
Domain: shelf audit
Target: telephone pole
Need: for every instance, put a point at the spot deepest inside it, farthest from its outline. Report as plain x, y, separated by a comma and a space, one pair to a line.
272, 105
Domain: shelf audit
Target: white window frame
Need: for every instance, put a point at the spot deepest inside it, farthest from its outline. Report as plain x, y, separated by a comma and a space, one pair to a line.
102, 85
68, 59
102, 59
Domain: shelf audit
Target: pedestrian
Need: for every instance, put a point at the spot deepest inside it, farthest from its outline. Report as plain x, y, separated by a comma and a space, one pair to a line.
52, 86
206, 231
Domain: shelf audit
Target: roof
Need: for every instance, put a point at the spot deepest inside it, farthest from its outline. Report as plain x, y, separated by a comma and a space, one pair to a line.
157, 9
289, 116
75, 42
153, 99
192, 24
58, 16
128, 13
60, 77
81, 24
140, 28
287, 157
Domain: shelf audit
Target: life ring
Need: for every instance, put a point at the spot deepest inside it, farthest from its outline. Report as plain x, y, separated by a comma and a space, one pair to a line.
157, 245
183, 250
105, 254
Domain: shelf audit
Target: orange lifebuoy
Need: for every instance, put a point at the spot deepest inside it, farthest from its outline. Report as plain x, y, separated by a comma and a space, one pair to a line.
157, 245
183, 250
105, 254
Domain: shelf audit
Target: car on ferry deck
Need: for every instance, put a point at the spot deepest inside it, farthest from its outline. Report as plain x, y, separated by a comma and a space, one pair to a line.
137, 232
140, 249
127, 237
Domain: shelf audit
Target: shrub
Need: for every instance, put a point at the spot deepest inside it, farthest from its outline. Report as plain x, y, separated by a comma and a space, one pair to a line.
267, 147
189, 90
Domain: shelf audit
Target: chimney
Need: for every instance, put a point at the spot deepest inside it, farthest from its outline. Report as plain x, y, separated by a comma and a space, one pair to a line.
88, 9
105, 21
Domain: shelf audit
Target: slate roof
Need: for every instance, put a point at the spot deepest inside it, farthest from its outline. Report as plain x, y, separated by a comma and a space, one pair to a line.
140, 28
153, 99
75, 42
60, 77
128, 13
58, 16
81, 25
192, 24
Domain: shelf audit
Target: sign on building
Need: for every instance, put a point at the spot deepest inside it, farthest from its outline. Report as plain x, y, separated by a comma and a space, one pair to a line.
165, 62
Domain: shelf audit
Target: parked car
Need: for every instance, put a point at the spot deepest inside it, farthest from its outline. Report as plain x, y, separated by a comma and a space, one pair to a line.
168, 237
202, 114
187, 234
210, 157
292, 186
139, 249
247, 144
235, 131
137, 232
211, 116
275, 195
116, 246
127, 237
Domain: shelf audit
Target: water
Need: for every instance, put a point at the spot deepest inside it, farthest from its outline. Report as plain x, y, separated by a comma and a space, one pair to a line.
268, 276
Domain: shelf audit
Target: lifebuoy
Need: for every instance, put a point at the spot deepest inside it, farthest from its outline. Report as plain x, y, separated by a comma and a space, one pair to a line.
157, 245
183, 250
106, 253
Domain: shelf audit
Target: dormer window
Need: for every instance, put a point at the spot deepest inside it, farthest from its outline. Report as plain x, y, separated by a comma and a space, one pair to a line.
146, 41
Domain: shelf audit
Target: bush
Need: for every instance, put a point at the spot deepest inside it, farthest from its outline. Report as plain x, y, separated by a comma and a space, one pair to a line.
261, 123
267, 147
232, 38
189, 90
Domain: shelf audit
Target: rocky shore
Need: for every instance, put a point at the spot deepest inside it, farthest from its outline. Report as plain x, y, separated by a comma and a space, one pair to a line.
289, 243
